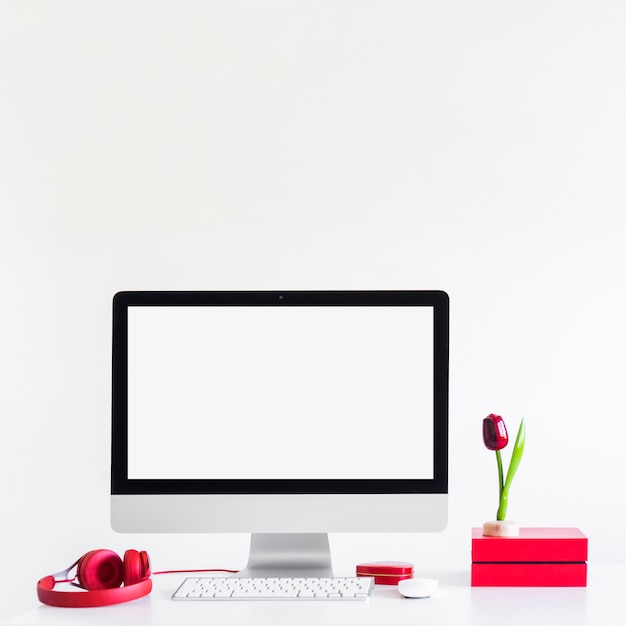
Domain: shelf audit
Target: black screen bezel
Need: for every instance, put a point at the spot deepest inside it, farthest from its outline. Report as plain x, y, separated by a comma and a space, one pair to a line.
121, 484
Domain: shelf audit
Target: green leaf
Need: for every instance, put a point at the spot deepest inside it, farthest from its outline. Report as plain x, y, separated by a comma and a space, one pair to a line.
516, 457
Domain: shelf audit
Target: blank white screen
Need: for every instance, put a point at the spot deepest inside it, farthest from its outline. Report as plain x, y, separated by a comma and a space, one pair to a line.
275, 392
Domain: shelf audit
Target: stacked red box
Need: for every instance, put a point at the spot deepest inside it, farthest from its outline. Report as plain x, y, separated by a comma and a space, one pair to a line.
538, 557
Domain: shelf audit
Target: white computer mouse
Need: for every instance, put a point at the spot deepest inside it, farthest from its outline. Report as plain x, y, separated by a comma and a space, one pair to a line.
417, 587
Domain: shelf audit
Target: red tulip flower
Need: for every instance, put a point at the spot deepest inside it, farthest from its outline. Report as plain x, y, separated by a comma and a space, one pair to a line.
495, 438
494, 432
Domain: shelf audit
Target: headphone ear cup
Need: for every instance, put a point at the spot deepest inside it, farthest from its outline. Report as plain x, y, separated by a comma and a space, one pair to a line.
136, 567
100, 569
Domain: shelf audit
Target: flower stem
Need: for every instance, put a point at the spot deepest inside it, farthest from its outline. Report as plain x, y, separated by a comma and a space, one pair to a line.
504, 503
500, 480
500, 473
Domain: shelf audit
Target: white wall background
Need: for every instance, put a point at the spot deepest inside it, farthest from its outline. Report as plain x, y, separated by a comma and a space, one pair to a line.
477, 147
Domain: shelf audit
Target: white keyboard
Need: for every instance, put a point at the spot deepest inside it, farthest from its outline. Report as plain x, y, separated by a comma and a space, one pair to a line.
233, 588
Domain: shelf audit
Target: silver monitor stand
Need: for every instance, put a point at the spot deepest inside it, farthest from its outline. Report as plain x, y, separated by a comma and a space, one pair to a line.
288, 554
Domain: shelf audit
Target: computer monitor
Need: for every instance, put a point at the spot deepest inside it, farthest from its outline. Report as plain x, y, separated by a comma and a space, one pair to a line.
287, 415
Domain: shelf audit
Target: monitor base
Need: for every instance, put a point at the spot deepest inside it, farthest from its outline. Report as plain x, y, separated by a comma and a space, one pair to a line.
288, 555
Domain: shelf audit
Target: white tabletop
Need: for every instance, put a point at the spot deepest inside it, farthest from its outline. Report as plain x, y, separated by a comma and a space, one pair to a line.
456, 603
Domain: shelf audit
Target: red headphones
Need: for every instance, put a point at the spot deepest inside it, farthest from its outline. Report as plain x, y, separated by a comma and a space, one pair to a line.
100, 572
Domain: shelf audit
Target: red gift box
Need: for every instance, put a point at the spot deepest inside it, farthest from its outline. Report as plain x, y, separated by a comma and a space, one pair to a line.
386, 572
538, 557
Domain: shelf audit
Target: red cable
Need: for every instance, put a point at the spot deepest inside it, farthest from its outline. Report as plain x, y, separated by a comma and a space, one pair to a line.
193, 571
170, 571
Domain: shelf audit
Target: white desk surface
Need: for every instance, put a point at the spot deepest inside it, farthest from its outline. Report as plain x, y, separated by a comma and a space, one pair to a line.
456, 603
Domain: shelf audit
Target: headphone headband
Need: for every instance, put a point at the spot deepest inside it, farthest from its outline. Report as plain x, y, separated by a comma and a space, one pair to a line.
99, 597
